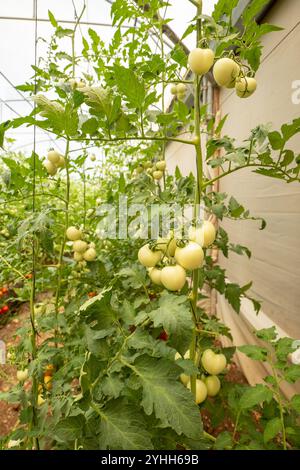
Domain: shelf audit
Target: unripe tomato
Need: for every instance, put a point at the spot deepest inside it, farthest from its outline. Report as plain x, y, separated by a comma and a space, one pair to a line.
139, 169
245, 86
209, 233
173, 277
50, 167
148, 257
161, 165
157, 174
167, 246
22, 375
225, 72
78, 256
213, 363
92, 245
93, 157
184, 379
80, 246
81, 84
73, 234
173, 89
213, 385
61, 163
181, 88
180, 96
147, 165
73, 83
196, 235
90, 254
187, 356
201, 391
53, 157
155, 276
190, 256
201, 60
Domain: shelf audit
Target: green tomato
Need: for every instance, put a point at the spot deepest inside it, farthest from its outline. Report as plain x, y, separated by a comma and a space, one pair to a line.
173, 89
61, 163
53, 157
201, 391
245, 87
181, 88
213, 363
184, 379
213, 385
190, 256
161, 165
22, 375
78, 256
50, 167
157, 174
209, 233
80, 246
90, 254
225, 72
173, 277
73, 234
139, 169
196, 235
148, 257
155, 276
201, 60
181, 96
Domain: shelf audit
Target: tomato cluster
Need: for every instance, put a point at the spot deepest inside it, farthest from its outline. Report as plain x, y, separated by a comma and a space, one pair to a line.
155, 170
4, 292
168, 259
226, 71
53, 162
179, 91
82, 250
207, 385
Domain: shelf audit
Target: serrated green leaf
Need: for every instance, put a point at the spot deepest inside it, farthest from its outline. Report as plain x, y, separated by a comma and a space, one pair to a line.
171, 402
295, 403
130, 86
254, 396
272, 428
174, 315
69, 429
52, 19
254, 352
123, 428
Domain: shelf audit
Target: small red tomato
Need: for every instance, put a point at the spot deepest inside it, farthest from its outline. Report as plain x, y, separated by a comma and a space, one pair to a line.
163, 336
28, 276
4, 290
1, 311
5, 309
92, 294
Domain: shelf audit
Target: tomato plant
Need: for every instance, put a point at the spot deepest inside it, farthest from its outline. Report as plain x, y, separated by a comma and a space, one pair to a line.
122, 355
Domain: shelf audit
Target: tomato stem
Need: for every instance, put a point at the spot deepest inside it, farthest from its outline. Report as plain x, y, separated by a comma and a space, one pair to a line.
198, 189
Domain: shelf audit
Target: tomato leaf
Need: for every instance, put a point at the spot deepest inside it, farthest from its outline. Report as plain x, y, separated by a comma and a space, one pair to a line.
122, 427
163, 395
174, 315
273, 427
254, 396
130, 86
